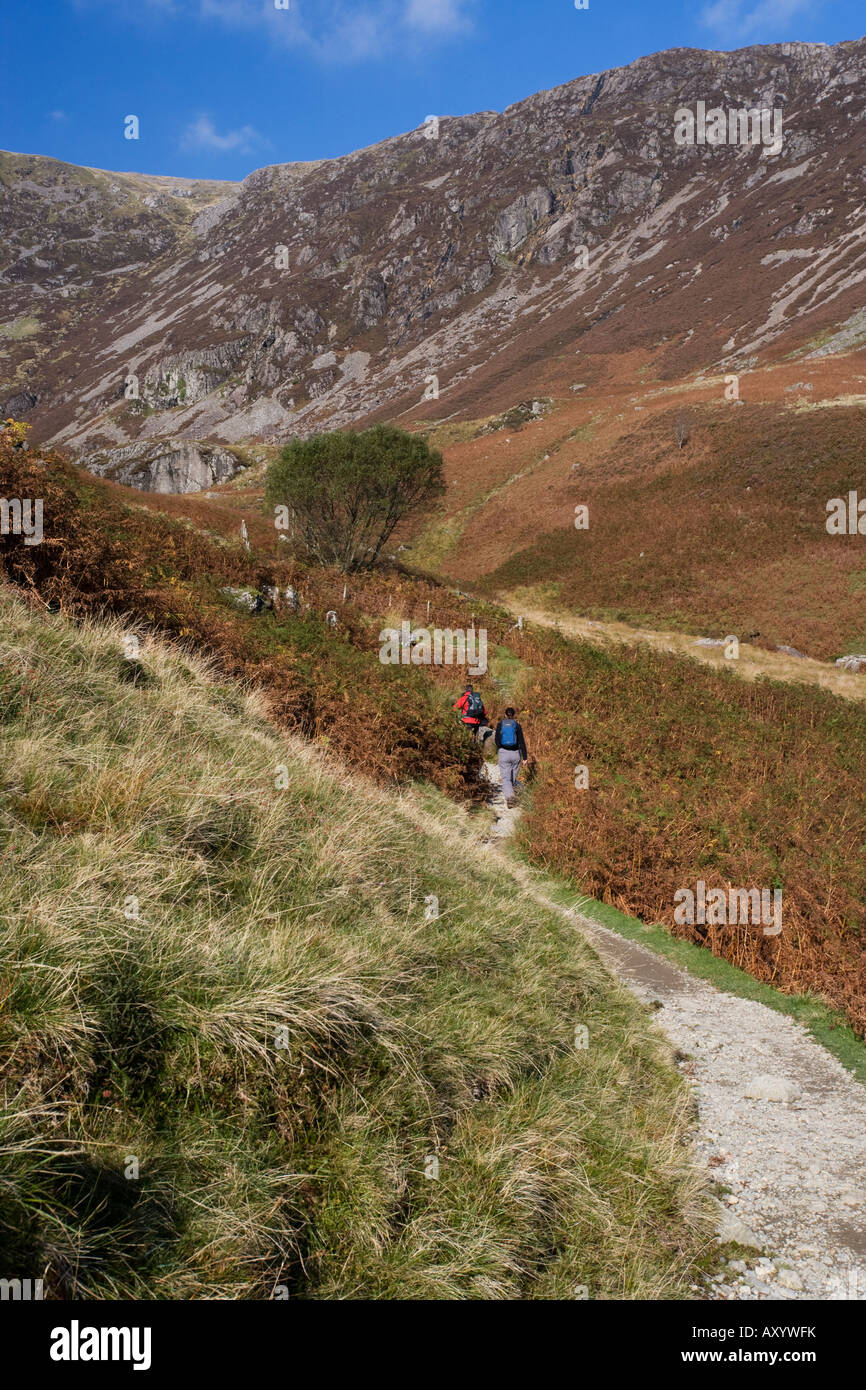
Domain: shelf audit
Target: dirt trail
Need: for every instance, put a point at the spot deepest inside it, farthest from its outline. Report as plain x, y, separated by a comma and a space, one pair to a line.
752, 662
794, 1166
506, 817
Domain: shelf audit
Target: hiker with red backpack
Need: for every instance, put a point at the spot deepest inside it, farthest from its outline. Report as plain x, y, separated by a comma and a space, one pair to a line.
472, 711
511, 747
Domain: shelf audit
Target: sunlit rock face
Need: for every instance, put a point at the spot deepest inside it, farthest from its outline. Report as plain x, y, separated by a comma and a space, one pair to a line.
165, 466
476, 249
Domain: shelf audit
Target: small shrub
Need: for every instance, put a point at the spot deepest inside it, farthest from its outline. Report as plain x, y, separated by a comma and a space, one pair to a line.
345, 492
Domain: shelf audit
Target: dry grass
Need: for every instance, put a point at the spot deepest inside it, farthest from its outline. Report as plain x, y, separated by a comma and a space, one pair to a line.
102, 553
278, 1036
727, 534
696, 774
753, 663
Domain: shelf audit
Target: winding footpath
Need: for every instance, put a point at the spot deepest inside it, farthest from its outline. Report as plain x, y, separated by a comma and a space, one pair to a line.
781, 1124
753, 663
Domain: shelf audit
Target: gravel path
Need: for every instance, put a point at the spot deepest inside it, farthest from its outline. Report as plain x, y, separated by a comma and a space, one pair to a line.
506, 819
781, 1124
753, 663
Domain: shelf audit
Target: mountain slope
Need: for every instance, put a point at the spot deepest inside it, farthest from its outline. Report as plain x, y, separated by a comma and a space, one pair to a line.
327, 293
236, 1041
71, 238
694, 774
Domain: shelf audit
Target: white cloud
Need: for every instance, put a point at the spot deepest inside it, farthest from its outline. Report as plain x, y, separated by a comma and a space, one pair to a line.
350, 34
438, 16
332, 31
58, 116
202, 134
337, 30
742, 20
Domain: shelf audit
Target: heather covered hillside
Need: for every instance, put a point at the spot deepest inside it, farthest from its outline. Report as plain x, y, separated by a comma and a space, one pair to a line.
726, 532
694, 773
509, 255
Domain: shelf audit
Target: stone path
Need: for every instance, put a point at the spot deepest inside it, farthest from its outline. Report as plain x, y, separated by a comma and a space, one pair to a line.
506, 820
782, 1126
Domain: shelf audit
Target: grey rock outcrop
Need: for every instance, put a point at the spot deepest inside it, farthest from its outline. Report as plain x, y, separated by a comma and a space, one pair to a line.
514, 224
187, 377
166, 465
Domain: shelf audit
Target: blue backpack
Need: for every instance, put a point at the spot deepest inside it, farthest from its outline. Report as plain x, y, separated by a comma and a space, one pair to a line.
508, 734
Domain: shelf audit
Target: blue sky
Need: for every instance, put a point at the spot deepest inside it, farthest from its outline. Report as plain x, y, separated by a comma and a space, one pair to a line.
221, 87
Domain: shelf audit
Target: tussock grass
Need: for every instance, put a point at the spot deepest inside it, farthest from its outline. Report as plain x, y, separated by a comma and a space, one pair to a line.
232, 1045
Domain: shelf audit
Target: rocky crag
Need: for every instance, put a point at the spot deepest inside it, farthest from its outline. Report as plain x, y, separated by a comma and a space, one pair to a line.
447, 271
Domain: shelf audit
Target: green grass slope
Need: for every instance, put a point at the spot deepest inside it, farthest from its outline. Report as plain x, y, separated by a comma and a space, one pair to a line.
233, 1042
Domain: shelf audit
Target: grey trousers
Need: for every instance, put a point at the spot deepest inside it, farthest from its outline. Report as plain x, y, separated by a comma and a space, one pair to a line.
509, 766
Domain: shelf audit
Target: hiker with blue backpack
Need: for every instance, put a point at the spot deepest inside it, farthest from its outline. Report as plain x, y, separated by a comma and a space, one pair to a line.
512, 751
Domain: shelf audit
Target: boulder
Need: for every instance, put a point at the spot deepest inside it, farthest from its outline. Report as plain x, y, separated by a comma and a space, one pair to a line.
243, 598
732, 1228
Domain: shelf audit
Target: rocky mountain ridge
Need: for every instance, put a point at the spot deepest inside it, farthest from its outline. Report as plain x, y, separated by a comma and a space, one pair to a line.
446, 272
